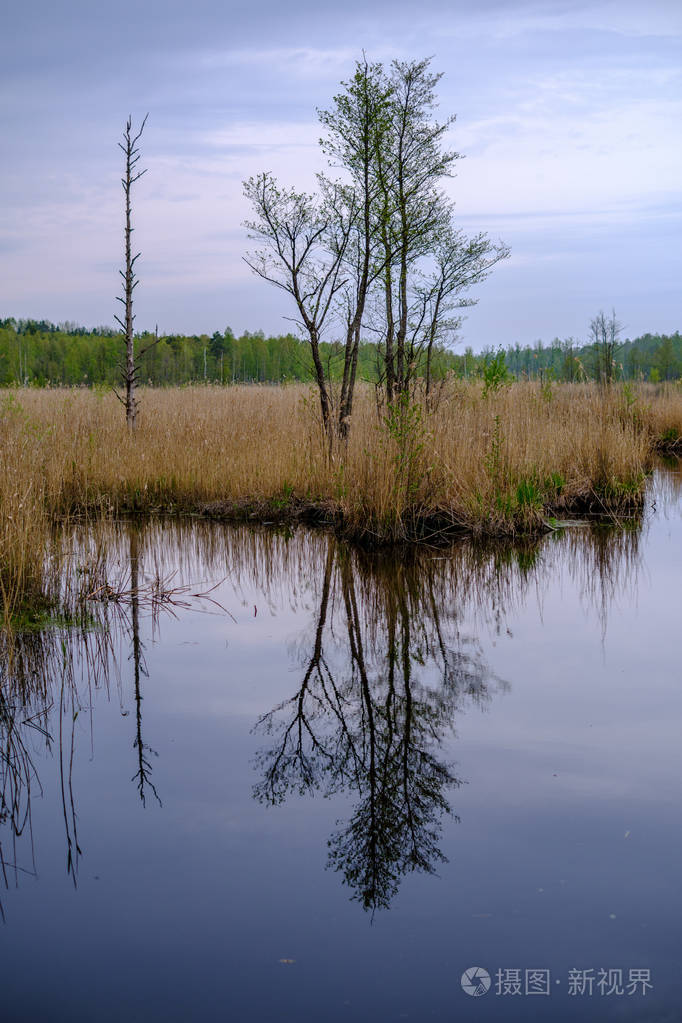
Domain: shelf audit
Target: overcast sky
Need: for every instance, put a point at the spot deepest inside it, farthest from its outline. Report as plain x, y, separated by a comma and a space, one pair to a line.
569, 116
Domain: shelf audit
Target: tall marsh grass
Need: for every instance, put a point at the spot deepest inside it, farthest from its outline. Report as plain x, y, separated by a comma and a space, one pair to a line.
494, 464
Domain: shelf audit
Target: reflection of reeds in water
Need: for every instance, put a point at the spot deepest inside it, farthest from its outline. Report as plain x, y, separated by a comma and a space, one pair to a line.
483, 581
666, 496
16, 776
41, 697
605, 565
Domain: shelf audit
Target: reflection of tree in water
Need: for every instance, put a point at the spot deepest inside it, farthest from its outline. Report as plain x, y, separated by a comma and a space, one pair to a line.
385, 670
367, 721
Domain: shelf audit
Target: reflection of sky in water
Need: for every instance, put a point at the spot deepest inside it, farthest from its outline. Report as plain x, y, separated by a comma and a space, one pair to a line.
567, 850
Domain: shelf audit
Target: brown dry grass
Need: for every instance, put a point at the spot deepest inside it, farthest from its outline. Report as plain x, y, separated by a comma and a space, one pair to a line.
661, 410
491, 464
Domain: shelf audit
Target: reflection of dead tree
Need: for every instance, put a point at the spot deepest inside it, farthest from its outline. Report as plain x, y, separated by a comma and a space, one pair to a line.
73, 850
131, 596
144, 751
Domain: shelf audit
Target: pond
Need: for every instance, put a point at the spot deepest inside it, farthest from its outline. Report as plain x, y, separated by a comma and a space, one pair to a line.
276, 778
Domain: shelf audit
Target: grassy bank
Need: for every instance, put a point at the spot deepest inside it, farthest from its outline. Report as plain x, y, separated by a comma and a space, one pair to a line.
495, 464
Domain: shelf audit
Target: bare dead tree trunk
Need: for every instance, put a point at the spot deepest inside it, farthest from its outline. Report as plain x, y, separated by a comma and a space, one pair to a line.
131, 151
144, 768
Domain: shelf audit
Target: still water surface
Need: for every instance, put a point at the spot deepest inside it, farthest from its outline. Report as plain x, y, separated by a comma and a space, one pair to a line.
353, 778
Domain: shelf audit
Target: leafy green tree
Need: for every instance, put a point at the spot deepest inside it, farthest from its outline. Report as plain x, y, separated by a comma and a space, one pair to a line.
666, 361
356, 128
378, 250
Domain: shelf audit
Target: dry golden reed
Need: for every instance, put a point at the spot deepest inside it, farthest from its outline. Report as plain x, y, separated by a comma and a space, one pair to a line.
495, 463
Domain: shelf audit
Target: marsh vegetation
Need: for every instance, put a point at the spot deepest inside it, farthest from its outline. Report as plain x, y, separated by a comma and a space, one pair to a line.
498, 460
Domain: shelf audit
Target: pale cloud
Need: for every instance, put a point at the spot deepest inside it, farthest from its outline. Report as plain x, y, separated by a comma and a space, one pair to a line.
663, 19
300, 62
265, 135
577, 141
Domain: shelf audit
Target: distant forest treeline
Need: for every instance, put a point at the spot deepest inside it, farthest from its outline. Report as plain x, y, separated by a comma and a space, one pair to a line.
38, 352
